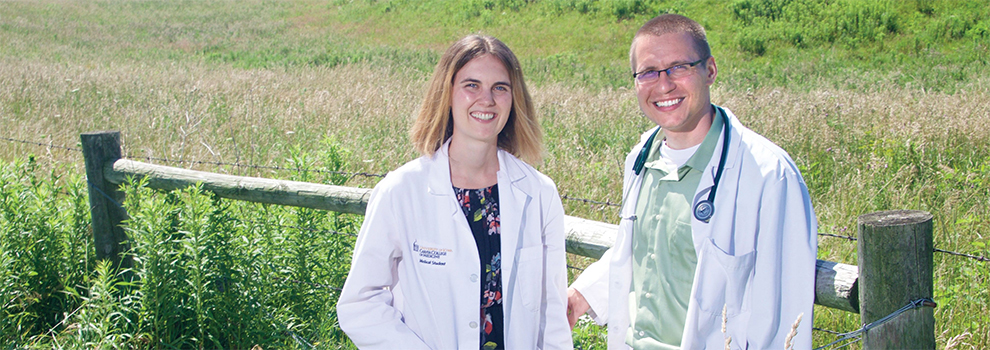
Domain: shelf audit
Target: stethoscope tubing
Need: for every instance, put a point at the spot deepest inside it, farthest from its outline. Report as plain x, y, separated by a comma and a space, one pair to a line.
705, 208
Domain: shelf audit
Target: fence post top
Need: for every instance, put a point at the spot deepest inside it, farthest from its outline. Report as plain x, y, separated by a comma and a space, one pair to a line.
101, 132
894, 218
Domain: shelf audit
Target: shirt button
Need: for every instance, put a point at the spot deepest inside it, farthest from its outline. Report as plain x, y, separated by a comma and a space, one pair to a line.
473, 324
648, 295
658, 217
641, 333
474, 277
653, 256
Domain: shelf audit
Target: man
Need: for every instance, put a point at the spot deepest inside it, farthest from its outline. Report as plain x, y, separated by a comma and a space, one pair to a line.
716, 245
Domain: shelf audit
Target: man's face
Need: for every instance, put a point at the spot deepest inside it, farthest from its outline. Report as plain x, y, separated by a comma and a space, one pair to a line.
676, 104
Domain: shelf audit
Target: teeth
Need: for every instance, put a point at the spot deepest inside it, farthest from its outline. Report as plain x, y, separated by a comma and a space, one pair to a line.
667, 103
483, 116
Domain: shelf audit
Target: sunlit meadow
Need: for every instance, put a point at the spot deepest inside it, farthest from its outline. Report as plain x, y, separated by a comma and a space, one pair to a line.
877, 119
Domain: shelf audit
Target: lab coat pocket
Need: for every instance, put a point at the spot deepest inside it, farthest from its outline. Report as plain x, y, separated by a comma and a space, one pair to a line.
724, 280
529, 276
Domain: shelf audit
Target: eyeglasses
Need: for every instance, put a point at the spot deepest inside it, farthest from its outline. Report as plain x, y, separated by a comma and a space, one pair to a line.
675, 72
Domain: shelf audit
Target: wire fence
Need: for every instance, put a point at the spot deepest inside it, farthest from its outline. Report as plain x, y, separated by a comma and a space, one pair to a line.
260, 167
47, 145
366, 174
856, 335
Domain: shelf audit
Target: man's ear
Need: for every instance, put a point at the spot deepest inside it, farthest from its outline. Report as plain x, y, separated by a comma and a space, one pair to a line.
712, 69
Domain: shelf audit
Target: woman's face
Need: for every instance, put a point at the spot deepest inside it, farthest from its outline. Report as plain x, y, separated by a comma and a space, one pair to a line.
481, 100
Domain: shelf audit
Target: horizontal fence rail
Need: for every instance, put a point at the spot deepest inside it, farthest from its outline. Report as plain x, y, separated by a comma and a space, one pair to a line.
253, 189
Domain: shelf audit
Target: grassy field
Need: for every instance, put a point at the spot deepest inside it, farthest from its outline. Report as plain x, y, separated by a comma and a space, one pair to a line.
882, 104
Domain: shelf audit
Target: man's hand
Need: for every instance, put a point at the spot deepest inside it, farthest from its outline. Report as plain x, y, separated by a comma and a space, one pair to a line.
576, 306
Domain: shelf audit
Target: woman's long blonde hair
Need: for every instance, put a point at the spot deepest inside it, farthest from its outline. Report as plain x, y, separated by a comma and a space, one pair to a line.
521, 135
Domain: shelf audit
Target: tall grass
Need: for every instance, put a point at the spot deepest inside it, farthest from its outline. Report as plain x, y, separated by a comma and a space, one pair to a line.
207, 273
884, 113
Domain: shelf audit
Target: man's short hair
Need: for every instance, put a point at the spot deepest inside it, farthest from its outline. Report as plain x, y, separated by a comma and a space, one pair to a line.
672, 23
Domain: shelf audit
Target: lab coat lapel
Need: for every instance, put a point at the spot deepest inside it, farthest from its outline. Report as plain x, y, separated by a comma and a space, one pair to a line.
514, 195
439, 183
702, 231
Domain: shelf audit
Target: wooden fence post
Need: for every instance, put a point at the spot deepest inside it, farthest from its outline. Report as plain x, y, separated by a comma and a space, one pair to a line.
895, 268
105, 198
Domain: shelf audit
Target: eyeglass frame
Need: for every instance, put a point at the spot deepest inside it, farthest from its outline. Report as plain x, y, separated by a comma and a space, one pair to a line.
667, 70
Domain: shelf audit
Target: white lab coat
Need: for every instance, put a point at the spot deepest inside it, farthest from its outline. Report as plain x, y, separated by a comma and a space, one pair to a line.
414, 281
756, 257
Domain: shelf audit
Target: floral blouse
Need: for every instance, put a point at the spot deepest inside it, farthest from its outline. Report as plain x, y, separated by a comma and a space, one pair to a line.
480, 206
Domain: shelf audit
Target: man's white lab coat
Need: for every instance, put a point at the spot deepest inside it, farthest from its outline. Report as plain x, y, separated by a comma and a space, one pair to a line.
756, 257
414, 281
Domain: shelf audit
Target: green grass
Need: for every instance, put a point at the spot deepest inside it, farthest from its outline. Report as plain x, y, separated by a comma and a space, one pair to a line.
207, 273
882, 104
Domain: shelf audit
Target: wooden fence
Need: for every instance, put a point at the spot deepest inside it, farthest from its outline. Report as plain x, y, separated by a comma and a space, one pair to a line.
895, 247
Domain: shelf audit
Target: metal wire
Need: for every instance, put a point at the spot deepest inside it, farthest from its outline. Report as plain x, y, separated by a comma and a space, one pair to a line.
48, 145
837, 236
825, 330
974, 257
608, 203
922, 302
266, 167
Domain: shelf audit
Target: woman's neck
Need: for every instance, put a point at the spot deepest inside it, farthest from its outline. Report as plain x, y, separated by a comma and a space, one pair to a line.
473, 165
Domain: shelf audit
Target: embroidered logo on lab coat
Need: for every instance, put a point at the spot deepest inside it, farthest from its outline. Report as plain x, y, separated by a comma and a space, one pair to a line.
431, 255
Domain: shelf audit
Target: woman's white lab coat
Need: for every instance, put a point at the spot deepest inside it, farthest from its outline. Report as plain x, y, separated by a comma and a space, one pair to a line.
756, 257
414, 281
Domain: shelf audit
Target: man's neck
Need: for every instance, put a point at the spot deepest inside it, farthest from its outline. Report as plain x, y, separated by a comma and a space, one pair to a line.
689, 138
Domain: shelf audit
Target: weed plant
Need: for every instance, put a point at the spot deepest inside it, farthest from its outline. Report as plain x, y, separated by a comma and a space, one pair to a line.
207, 273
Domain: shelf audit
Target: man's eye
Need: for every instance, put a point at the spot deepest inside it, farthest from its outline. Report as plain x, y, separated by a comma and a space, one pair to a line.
650, 74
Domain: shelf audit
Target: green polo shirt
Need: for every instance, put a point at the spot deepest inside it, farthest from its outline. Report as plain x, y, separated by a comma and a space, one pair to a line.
663, 248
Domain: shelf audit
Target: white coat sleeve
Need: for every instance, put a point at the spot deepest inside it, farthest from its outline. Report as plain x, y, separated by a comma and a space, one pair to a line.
366, 309
556, 330
593, 285
787, 246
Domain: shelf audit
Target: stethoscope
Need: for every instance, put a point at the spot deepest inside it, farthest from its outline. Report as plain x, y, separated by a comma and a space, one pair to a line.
705, 208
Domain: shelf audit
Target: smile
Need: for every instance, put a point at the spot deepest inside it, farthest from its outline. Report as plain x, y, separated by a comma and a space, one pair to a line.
668, 103
483, 116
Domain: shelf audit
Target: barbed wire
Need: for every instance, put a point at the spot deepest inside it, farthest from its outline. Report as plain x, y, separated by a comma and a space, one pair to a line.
256, 167
851, 238
974, 257
826, 331
590, 201
971, 256
914, 304
48, 145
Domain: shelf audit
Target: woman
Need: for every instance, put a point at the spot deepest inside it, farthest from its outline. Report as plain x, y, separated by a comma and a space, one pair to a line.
428, 269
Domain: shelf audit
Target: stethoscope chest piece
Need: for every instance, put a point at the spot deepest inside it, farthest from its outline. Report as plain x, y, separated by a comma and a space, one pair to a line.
704, 210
